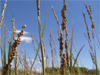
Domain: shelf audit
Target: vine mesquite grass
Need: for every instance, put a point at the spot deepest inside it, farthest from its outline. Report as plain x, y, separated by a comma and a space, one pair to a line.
14, 50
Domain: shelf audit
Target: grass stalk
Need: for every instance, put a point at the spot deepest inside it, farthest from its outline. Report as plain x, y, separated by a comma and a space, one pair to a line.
39, 43
39, 23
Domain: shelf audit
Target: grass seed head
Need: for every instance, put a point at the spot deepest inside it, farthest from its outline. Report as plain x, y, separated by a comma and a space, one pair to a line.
23, 26
90, 14
14, 50
2, 13
66, 51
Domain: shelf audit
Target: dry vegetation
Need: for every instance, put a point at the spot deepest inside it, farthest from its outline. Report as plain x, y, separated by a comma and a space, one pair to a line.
66, 66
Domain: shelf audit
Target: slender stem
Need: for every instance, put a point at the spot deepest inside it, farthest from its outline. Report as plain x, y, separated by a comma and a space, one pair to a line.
39, 23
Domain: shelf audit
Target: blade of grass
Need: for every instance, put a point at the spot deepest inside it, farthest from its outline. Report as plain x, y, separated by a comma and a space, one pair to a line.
71, 49
78, 55
4, 43
44, 23
9, 53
